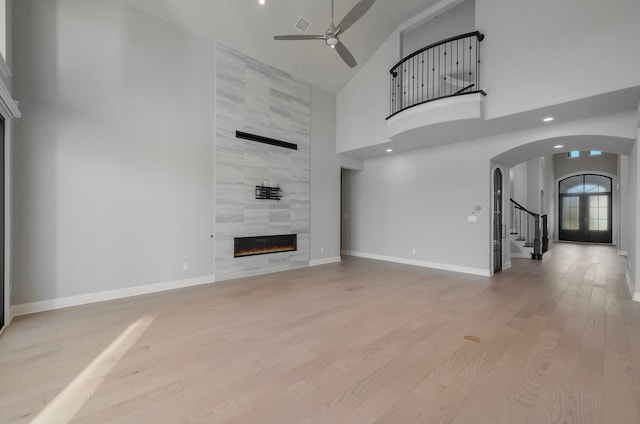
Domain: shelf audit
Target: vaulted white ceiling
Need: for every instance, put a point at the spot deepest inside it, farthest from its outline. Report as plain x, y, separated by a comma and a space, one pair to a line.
249, 27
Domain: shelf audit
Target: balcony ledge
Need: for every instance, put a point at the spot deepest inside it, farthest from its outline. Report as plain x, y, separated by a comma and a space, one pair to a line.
445, 110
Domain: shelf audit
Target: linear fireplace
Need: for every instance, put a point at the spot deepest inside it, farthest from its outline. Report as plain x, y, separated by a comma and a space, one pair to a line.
262, 245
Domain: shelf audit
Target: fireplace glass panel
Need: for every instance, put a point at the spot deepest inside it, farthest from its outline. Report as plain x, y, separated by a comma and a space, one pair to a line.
262, 245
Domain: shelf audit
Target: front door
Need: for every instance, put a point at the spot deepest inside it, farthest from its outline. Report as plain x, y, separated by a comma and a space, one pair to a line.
497, 221
585, 209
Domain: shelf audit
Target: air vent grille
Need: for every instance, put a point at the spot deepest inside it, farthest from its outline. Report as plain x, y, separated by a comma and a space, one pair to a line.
303, 24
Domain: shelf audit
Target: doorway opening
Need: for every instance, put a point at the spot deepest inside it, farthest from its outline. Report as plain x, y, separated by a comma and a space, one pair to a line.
585, 213
497, 221
2, 232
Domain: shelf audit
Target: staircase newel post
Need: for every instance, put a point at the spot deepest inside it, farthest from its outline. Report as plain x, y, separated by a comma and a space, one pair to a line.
545, 233
537, 251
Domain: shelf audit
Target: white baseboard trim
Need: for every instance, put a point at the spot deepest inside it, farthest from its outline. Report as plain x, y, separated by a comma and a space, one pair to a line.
623, 253
324, 261
424, 264
506, 265
84, 299
635, 296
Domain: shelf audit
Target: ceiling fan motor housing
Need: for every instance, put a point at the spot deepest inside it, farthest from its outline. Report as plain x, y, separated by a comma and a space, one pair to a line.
331, 36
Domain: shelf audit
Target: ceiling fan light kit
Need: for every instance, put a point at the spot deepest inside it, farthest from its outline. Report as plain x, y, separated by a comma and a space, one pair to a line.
331, 37
332, 41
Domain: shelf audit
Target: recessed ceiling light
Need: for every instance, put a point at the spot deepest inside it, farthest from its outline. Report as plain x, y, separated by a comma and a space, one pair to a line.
261, 1
548, 119
558, 146
389, 150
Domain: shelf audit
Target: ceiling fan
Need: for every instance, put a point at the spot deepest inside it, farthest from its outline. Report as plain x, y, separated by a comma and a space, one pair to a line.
331, 37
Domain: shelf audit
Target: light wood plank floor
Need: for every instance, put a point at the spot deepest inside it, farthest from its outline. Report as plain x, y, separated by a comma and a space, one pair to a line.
357, 342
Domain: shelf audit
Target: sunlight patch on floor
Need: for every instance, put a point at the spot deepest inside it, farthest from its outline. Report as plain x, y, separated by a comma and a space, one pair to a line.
69, 401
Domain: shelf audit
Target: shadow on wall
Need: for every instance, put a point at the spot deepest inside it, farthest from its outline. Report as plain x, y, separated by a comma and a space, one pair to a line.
35, 165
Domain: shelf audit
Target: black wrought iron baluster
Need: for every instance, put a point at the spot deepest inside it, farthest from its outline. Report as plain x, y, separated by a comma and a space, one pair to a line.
441, 70
512, 221
391, 84
470, 61
398, 90
404, 84
464, 69
433, 73
522, 235
450, 67
413, 81
477, 64
422, 78
444, 75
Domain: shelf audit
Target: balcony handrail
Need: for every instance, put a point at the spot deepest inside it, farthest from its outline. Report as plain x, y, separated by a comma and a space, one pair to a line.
447, 68
436, 44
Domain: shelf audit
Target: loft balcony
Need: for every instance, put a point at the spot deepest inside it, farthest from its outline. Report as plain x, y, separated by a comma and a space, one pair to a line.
437, 84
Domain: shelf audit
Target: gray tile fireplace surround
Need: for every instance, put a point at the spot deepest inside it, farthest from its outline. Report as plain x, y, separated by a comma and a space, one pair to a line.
256, 98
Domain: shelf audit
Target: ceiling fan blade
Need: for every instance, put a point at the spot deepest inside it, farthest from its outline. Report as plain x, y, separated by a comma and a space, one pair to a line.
298, 37
354, 14
346, 55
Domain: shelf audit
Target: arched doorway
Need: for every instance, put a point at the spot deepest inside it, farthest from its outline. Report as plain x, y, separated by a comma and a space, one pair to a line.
497, 220
585, 209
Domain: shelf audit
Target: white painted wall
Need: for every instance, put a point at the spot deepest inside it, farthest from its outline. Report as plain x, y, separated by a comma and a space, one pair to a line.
518, 179
564, 165
114, 161
325, 179
634, 225
3, 31
622, 189
363, 104
536, 53
7, 80
456, 21
549, 196
422, 199
419, 201
346, 209
534, 176
113, 156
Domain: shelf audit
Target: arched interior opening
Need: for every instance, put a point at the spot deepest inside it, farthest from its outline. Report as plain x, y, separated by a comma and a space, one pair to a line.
535, 170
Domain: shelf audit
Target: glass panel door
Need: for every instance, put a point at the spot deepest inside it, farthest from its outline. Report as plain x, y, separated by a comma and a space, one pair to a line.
2, 213
497, 221
585, 209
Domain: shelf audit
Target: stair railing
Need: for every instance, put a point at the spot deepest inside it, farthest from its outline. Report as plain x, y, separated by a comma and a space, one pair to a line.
530, 228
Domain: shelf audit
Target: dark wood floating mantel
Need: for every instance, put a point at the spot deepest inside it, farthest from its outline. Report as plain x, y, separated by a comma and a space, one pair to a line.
266, 140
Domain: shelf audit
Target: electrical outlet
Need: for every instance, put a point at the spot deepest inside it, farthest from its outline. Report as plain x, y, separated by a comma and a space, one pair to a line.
322, 250
413, 251
185, 266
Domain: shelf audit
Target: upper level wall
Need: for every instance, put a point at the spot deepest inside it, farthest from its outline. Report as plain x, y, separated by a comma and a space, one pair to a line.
546, 52
535, 54
112, 159
566, 166
459, 20
363, 104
